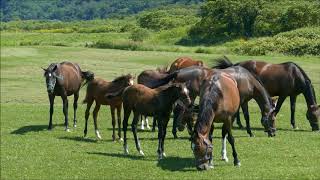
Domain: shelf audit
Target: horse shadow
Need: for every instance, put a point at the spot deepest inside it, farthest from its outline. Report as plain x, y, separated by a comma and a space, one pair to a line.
79, 139
119, 155
32, 128
177, 164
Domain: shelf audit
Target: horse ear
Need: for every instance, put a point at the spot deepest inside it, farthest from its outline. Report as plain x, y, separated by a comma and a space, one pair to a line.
55, 67
45, 70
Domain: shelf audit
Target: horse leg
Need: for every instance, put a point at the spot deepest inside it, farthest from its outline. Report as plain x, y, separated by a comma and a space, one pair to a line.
126, 115
154, 124
95, 114
113, 122
119, 120
244, 107
293, 108
65, 111
238, 119
75, 106
134, 131
142, 122
164, 130
89, 103
224, 144
147, 123
174, 125
160, 135
230, 138
51, 99
278, 106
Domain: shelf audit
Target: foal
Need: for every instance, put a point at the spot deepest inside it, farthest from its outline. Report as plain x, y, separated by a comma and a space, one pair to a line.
97, 91
151, 102
64, 79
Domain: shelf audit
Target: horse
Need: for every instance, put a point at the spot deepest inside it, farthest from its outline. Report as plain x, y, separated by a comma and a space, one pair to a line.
283, 80
154, 79
249, 87
219, 102
64, 79
183, 62
97, 89
151, 102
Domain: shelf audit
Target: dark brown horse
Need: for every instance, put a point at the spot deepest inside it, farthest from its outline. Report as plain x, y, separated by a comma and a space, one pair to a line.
249, 87
151, 102
154, 79
285, 79
183, 62
97, 91
64, 79
219, 102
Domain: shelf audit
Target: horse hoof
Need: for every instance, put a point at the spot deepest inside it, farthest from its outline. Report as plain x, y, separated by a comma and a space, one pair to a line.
67, 129
74, 125
238, 164
251, 135
120, 139
98, 135
225, 159
164, 154
148, 127
126, 151
142, 127
141, 153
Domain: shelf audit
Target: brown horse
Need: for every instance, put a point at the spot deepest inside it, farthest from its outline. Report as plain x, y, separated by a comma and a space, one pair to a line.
64, 79
153, 79
97, 91
219, 102
183, 62
249, 88
151, 102
285, 79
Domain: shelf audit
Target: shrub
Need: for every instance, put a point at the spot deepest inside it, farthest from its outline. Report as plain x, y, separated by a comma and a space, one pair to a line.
139, 34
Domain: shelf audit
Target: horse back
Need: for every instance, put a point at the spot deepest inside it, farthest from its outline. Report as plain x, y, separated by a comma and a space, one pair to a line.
184, 62
71, 77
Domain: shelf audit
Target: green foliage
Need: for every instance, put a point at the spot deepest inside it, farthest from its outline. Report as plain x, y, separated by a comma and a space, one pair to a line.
305, 41
139, 34
223, 20
67, 10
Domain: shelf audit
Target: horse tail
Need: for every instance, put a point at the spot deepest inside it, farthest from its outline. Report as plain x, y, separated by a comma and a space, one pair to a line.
88, 76
164, 81
223, 63
309, 86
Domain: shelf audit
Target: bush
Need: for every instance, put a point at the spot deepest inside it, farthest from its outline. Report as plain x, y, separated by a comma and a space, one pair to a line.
305, 41
139, 34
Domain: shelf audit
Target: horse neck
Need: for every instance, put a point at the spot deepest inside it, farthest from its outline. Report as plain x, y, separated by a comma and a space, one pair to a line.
263, 99
309, 94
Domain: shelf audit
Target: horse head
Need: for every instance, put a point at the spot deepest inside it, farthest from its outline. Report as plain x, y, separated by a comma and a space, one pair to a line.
52, 74
202, 149
183, 94
313, 115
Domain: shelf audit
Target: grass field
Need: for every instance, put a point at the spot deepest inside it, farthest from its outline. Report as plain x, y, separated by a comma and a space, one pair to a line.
29, 151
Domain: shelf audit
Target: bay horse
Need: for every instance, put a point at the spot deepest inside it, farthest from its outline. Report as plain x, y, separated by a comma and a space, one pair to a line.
219, 102
283, 80
151, 102
249, 88
97, 90
64, 79
183, 62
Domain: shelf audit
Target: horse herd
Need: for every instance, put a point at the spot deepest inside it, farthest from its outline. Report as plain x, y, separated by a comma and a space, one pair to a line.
222, 89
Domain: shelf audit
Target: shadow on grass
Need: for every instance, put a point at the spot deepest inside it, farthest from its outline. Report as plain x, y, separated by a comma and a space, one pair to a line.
79, 139
177, 164
119, 155
32, 128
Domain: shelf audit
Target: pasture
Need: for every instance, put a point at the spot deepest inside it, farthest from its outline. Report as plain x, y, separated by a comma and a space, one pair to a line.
30, 151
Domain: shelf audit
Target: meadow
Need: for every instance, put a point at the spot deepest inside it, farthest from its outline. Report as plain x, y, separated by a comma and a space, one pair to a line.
30, 151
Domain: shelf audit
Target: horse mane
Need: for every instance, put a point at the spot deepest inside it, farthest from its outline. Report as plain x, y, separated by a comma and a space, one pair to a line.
121, 78
309, 86
208, 104
164, 81
163, 69
222, 63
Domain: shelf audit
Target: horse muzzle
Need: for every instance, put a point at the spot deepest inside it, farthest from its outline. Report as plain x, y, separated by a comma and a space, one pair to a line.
203, 166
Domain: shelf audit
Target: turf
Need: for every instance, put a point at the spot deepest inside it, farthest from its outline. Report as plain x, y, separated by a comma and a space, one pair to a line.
30, 151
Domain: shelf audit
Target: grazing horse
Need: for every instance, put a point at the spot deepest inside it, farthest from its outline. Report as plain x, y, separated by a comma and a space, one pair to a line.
154, 79
151, 102
219, 102
285, 79
64, 79
183, 62
97, 90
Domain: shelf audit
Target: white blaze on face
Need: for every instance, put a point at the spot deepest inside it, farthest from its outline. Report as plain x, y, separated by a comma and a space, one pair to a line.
185, 90
131, 82
49, 75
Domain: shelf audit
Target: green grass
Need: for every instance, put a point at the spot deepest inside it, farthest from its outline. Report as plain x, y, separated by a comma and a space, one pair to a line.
29, 151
